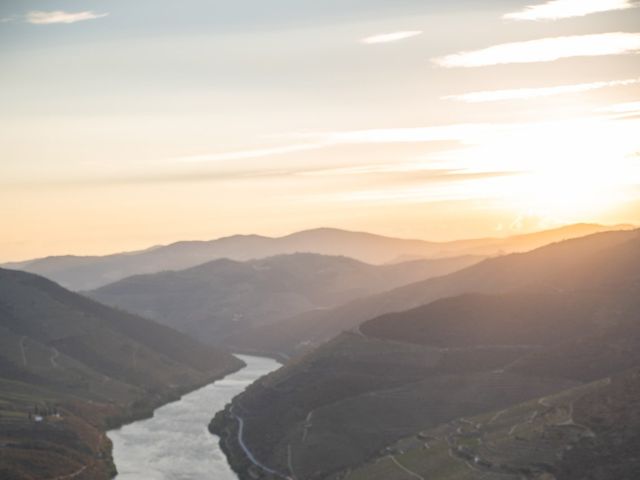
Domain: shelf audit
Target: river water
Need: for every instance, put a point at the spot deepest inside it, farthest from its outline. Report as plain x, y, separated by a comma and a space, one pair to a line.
175, 444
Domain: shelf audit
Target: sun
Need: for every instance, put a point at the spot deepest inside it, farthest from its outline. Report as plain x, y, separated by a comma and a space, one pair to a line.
567, 171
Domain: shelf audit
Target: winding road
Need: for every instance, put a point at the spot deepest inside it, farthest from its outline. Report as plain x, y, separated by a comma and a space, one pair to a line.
405, 469
250, 454
55, 354
24, 355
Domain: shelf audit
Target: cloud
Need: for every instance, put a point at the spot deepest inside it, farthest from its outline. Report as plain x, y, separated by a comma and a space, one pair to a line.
373, 169
629, 107
530, 93
545, 50
558, 9
248, 154
405, 171
391, 37
443, 187
319, 140
37, 17
408, 135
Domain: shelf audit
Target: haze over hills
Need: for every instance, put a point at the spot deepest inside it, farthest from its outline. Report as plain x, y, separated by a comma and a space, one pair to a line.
87, 273
320, 240
584, 433
97, 366
554, 266
548, 337
218, 298
571, 318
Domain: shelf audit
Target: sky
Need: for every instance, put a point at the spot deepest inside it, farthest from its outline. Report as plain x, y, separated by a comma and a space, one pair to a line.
129, 124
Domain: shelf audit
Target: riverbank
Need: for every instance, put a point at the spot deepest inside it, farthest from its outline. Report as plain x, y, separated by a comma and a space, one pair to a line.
145, 409
175, 441
229, 426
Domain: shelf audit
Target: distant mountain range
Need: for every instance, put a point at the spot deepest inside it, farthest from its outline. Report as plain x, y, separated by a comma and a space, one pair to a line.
553, 265
70, 368
532, 376
214, 300
87, 273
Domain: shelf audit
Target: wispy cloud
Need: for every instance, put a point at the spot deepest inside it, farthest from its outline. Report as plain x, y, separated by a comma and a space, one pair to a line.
409, 135
437, 187
558, 9
247, 154
319, 140
391, 37
545, 50
373, 169
629, 107
531, 93
405, 172
37, 17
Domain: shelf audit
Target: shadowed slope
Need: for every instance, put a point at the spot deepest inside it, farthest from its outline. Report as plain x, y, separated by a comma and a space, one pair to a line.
556, 266
93, 365
339, 405
218, 298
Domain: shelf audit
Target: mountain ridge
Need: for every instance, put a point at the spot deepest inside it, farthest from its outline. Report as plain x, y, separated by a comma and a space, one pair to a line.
89, 272
489, 276
212, 300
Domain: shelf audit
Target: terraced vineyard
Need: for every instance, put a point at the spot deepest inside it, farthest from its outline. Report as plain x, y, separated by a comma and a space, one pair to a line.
440, 365
531, 440
71, 368
346, 402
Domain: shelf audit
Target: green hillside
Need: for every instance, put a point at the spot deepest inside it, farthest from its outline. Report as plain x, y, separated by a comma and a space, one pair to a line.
398, 375
214, 300
556, 266
585, 433
90, 364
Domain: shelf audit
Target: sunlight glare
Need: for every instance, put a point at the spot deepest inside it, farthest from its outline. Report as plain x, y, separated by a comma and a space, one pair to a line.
562, 171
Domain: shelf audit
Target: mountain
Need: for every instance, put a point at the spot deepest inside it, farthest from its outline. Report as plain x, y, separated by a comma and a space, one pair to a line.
88, 273
556, 265
564, 316
218, 298
82, 367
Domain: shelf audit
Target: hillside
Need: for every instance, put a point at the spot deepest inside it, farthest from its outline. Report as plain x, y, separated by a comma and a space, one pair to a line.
585, 433
338, 406
218, 298
88, 273
575, 321
592, 275
557, 266
93, 366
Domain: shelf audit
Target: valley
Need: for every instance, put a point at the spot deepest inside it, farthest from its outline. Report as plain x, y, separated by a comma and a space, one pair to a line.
214, 301
320, 240
175, 442
496, 369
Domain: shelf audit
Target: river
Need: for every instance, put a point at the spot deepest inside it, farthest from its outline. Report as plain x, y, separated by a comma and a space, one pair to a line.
175, 444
